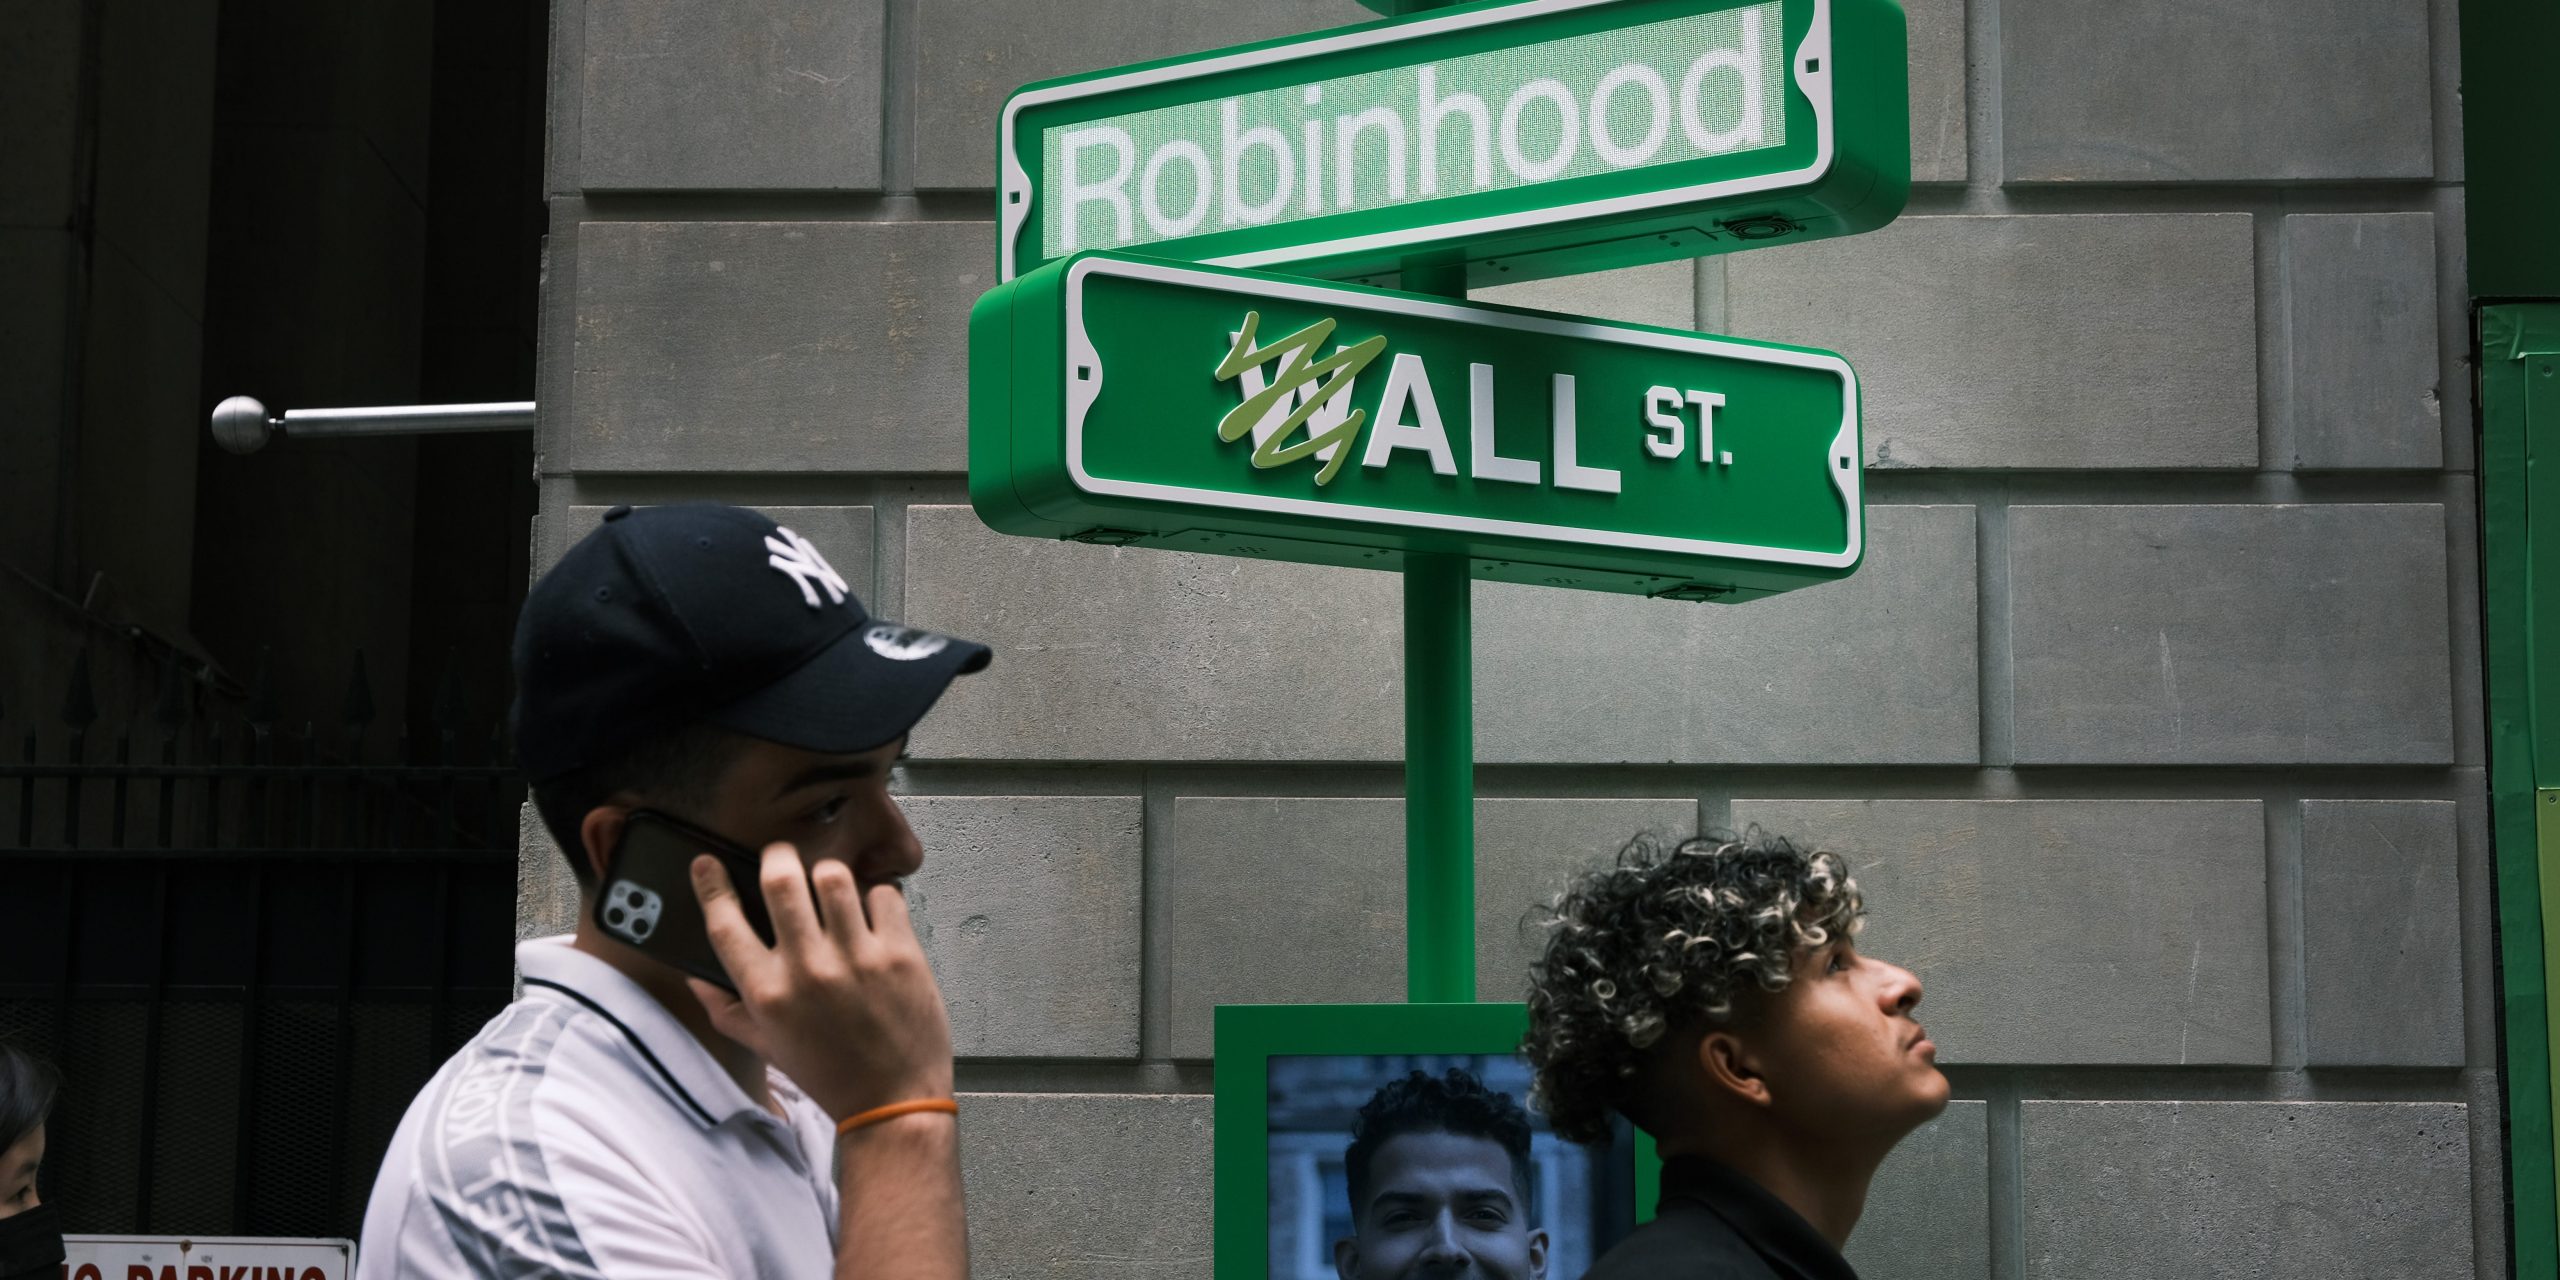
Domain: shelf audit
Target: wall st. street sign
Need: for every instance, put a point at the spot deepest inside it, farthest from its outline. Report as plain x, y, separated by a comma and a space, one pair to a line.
1133, 401
1521, 138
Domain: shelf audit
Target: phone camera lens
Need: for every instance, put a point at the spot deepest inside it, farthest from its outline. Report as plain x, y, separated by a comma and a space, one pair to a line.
639, 900
613, 916
639, 928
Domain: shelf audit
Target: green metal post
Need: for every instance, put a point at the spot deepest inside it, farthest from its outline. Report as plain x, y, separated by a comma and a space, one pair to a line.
1439, 755
1439, 781
1439, 738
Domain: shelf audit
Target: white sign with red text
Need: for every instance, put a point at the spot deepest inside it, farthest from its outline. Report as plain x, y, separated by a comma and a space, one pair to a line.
205, 1258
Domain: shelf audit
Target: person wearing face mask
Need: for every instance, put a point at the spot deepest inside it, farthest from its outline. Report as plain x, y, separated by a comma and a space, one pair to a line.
30, 1232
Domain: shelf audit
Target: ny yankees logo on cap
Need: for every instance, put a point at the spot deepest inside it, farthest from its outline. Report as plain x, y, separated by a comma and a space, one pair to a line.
800, 562
903, 644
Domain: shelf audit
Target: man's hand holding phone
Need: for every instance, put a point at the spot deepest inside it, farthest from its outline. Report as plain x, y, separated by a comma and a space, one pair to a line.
843, 1001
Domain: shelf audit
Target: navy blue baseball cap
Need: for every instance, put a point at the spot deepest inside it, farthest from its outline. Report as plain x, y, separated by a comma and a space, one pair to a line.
702, 612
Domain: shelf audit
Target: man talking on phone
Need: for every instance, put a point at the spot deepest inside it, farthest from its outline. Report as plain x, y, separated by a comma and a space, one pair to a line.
626, 1117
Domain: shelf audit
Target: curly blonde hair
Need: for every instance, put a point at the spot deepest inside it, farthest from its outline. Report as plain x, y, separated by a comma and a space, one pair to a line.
1668, 935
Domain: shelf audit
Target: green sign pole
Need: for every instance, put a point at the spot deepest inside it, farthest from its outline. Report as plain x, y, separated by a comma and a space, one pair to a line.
1439, 737
1439, 753
1439, 781
1439, 741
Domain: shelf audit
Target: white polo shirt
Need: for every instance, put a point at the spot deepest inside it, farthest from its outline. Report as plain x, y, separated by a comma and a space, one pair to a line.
585, 1133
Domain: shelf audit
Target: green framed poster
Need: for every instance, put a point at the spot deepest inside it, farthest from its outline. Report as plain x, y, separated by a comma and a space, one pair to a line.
1294, 1201
1514, 138
1133, 401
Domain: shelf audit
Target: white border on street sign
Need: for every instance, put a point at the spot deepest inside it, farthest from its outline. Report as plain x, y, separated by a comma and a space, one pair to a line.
1013, 205
1846, 475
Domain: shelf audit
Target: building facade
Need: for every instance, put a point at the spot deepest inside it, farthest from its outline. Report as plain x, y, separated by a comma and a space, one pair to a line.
2152, 723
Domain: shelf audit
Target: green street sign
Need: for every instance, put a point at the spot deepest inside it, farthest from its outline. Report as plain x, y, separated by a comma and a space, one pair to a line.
1133, 401
1520, 138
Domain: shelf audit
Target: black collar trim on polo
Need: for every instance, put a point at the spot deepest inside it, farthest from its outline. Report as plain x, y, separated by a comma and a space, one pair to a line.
1773, 1229
700, 1112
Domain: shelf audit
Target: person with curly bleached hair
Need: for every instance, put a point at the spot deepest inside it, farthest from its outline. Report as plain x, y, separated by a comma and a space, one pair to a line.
1711, 991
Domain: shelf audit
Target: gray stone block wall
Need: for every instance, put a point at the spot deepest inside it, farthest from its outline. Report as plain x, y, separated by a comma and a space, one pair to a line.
744, 97
1086, 1186
2361, 288
2246, 1189
2382, 933
1929, 1213
773, 346
1322, 880
1810, 677
546, 887
970, 54
2216, 93
1232, 659
2151, 915
2151, 720
1993, 341
1255, 644
1029, 910
2158, 634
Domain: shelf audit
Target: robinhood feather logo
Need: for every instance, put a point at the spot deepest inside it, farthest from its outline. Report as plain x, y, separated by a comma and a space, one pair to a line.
1301, 392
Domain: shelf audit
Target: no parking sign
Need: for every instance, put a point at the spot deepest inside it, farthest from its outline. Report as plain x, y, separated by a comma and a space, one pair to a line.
206, 1258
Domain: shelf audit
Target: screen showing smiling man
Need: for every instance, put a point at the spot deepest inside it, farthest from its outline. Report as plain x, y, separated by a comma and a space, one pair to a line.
1440, 1184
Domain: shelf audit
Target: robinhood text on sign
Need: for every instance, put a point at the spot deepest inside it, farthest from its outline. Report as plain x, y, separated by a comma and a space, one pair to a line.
1129, 400
1525, 138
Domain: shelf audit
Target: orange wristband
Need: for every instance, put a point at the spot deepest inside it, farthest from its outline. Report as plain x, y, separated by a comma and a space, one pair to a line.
894, 1110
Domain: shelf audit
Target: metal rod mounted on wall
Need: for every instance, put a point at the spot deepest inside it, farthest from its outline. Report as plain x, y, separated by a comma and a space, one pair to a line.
242, 425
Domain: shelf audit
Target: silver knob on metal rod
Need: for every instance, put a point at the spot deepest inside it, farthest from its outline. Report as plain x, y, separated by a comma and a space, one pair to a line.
242, 425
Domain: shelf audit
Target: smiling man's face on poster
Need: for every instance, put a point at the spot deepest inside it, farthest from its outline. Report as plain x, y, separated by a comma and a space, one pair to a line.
1442, 1204
1438, 1172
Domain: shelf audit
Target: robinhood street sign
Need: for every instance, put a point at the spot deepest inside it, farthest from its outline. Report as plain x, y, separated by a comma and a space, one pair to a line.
1128, 400
1521, 138
1134, 380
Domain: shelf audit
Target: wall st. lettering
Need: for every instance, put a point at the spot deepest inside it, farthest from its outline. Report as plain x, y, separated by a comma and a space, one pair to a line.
1316, 394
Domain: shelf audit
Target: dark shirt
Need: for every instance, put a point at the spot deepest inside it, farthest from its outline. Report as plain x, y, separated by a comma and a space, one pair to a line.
1715, 1224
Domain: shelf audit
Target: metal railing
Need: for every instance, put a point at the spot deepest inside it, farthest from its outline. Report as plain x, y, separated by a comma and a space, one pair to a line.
247, 945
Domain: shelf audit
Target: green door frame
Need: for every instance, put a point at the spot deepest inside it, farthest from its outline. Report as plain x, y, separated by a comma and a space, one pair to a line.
2511, 175
2519, 353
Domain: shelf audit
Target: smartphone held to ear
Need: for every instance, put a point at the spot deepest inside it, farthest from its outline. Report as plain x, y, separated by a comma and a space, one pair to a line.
648, 901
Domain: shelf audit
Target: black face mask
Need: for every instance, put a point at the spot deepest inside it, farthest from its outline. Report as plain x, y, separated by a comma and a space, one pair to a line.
31, 1243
